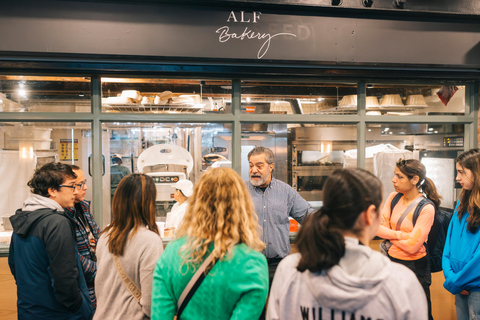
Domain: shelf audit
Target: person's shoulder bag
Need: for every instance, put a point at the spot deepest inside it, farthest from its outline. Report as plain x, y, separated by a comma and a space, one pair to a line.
187, 293
193, 284
131, 286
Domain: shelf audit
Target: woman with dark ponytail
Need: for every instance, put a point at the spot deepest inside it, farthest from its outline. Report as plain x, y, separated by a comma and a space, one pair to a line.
461, 255
335, 274
407, 237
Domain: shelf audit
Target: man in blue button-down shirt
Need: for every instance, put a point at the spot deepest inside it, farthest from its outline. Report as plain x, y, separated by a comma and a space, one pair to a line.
274, 202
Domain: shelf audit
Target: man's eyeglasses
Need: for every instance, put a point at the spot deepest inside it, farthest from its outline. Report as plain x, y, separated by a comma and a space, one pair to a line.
78, 186
81, 185
73, 187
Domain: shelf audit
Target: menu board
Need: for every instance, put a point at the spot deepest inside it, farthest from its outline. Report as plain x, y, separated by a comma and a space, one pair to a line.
68, 149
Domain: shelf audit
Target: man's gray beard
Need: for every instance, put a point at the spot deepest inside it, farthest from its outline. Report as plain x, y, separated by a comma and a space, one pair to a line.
258, 183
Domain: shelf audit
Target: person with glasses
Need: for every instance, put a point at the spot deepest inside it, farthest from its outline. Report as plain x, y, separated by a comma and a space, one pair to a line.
87, 232
43, 257
406, 237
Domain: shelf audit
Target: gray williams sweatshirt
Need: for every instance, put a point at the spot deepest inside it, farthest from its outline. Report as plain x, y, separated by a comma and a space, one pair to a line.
364, 285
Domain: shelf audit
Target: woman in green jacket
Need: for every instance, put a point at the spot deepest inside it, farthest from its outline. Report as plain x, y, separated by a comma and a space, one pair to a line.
220, 221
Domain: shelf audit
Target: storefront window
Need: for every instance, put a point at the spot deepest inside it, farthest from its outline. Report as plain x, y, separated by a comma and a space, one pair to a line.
166, 95
44, 94
168, 152
401, 100
306, 153
305, 156
299, 98
435, 145
27, 146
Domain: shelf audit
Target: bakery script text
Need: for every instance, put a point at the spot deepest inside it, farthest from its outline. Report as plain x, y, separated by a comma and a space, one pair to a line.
249, 34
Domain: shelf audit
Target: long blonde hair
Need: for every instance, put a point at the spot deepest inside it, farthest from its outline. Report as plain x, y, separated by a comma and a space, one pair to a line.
221, 212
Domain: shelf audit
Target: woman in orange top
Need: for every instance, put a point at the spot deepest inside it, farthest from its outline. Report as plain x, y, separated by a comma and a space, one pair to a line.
408, 242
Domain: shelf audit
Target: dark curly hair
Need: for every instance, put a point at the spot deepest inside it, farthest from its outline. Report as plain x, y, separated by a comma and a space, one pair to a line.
50, 175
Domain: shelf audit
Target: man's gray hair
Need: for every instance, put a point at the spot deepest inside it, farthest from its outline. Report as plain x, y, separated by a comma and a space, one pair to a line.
269, 155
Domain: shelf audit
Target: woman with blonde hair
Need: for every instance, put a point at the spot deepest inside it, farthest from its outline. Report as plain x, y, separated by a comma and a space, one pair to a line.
127, 252
220, 224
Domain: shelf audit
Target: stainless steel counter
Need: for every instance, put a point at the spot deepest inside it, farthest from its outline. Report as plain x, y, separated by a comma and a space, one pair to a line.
292, 237
4, 246
5, 237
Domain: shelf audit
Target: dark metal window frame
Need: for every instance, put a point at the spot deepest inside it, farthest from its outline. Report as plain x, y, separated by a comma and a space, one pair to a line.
237, 72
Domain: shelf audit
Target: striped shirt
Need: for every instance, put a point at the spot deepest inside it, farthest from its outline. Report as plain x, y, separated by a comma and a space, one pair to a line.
87, 258
273, 205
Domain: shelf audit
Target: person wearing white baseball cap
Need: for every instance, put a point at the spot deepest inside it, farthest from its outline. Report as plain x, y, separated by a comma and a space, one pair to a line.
183, 190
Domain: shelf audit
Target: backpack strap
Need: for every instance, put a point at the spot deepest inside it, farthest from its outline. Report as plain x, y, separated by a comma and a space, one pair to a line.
395, 201
412, 205
419, 208
432, 235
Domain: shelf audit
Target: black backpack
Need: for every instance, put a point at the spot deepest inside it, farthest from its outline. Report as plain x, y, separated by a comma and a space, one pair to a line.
438, 232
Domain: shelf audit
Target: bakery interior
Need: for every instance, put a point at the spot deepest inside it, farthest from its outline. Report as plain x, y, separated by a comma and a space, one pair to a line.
195, 137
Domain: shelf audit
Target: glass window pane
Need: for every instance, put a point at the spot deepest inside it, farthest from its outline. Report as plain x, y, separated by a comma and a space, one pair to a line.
305, 156
166, 95
27, 146
44, 94
398, 100
436, 145
167, 151
298, 98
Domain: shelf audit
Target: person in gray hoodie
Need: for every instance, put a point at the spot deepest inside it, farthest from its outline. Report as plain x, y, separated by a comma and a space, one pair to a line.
336, 275
43, 254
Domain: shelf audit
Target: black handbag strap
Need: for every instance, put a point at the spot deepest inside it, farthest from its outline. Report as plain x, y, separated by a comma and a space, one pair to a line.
194, 283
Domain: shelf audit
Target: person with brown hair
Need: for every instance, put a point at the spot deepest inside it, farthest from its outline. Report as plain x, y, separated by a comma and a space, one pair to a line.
461, 255
408, 237
87, 232
43, 255
127, 252
220, 224
335, 274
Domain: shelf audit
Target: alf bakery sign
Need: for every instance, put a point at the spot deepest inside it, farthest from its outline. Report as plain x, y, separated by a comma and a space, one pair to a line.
243, 27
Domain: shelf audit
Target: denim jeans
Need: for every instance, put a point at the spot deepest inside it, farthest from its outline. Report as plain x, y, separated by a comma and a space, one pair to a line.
468, 307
